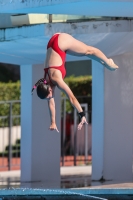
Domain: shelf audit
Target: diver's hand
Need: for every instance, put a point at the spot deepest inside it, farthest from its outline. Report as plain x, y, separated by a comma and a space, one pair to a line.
83, 121
53, 127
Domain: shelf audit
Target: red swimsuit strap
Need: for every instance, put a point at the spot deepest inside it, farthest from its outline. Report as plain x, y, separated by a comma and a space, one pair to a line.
46, 72
60, 68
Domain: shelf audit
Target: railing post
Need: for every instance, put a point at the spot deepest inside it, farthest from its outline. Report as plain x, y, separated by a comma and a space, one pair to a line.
9, 137
75, 136
86, 134
64, 131
85, 105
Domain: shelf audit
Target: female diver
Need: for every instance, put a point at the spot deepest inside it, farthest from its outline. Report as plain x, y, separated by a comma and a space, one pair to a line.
58, 46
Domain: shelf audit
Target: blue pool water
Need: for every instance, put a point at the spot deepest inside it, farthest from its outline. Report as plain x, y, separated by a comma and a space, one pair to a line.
71, 194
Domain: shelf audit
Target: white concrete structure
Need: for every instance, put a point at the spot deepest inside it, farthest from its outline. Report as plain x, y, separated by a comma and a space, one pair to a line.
112, 91
121, 8
40, 148
4, 136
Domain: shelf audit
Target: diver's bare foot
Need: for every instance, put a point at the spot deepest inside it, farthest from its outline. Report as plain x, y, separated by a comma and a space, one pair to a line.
110, 65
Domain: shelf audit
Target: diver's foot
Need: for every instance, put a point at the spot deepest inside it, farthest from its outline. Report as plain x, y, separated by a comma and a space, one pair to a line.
110, 65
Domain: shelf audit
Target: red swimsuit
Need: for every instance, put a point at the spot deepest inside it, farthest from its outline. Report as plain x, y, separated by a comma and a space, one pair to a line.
53, 43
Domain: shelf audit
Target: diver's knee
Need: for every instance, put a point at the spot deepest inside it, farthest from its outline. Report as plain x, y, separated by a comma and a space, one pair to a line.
91, 51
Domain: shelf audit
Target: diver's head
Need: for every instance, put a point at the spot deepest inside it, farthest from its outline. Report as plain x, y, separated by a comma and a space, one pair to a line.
43, 89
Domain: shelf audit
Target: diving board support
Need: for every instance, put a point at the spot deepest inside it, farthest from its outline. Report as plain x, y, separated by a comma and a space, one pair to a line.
112, 125
40, 147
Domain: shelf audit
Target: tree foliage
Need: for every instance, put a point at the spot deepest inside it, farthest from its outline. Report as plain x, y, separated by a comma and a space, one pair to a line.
80, 86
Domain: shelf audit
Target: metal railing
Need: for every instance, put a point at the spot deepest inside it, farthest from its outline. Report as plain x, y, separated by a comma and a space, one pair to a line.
10, 134
75, 145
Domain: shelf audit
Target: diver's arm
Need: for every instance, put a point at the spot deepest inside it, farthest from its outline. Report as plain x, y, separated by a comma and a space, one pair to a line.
52, 111
59, 82
74, 102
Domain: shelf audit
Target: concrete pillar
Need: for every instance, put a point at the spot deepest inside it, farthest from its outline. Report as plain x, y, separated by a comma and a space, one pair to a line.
40, 148
97, 120
118, 121
112, 132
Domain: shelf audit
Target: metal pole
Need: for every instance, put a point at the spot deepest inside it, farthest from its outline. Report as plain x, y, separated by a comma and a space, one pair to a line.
75, 136
10, 132
86, 135
64, 132
86, 132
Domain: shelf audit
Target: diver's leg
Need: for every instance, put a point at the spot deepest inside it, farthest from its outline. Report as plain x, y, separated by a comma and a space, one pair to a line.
67, 43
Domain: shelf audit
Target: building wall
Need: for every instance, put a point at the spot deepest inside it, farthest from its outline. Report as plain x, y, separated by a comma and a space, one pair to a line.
79, 68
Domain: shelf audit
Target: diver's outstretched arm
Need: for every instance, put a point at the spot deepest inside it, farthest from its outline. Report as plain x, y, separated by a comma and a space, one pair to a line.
51, 105
74, 102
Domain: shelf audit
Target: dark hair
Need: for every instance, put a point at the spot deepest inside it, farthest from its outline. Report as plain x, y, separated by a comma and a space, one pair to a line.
42, 88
